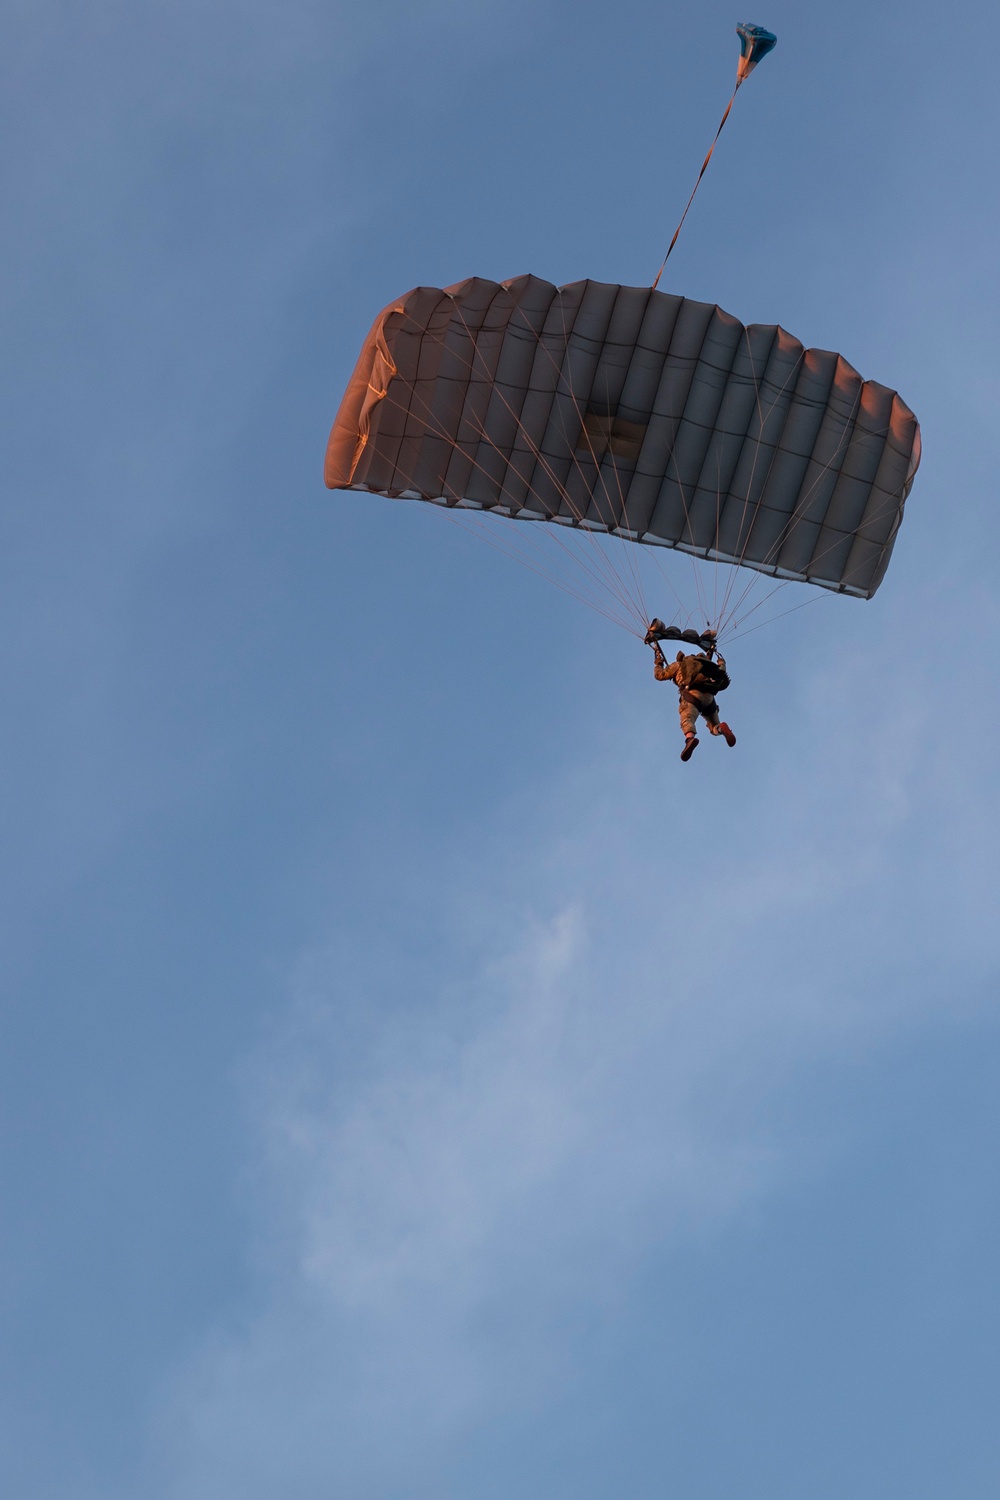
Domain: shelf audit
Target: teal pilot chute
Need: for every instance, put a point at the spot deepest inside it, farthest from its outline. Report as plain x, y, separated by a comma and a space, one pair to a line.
755, 44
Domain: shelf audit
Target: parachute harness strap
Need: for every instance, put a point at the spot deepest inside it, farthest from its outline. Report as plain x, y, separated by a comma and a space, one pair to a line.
704, 168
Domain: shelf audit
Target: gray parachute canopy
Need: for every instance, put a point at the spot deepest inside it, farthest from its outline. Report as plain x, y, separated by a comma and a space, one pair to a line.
631, 411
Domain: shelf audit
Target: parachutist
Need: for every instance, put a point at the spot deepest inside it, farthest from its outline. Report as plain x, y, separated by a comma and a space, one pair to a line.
698, 679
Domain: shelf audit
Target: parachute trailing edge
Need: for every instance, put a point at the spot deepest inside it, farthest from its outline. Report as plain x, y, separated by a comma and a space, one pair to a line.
631, 411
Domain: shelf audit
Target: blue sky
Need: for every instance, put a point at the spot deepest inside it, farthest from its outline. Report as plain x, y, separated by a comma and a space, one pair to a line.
415, 1082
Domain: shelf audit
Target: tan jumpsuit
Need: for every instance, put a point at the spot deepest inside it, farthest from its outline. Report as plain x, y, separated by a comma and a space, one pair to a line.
691, 704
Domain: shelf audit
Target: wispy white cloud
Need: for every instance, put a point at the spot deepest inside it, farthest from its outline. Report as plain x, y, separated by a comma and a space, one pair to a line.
454, 1171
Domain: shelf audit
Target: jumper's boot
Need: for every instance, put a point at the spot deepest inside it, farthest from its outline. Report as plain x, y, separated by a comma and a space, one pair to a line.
690, 746
728, 734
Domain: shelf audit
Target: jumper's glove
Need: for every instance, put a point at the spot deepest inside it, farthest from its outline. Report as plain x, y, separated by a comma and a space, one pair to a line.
658, 656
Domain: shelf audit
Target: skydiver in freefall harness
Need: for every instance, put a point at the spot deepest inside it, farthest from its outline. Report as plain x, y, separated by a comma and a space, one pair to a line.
696, 691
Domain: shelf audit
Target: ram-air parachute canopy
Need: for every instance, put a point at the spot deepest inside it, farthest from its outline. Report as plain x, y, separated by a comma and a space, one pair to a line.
627, 410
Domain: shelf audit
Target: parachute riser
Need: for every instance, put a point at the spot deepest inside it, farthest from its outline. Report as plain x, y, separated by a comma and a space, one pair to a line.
705, 640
